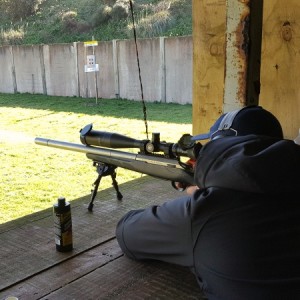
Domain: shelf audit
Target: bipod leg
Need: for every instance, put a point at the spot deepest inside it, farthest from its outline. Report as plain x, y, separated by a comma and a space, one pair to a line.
115, 185
94, 192
104, 170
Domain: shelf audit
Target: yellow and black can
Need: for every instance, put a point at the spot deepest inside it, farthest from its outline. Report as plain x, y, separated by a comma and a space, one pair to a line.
63, 225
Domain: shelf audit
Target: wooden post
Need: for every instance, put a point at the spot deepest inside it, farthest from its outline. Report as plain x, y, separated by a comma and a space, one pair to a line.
226, 62
280, 75
208, 62
243, 51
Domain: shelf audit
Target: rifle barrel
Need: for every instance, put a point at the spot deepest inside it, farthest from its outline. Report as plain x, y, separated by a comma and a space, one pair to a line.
157, 166
82, 148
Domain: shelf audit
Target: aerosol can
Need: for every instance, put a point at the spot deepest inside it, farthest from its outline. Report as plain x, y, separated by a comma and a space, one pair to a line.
63, 225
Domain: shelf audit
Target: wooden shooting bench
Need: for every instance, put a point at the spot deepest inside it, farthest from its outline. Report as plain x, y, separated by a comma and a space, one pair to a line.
31, 268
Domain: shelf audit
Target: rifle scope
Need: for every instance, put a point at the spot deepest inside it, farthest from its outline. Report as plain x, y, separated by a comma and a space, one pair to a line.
90, 137
185, 147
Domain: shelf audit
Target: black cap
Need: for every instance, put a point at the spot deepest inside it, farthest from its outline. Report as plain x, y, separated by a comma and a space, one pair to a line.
248, 120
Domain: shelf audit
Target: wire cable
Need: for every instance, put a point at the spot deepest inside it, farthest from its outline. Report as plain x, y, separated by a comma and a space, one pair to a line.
139, 69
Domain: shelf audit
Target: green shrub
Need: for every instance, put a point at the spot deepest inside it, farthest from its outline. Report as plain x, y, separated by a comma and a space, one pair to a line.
101, 15
64, 21
109, 2
19, 9
154, 25
120, 10
72, 24
12, 37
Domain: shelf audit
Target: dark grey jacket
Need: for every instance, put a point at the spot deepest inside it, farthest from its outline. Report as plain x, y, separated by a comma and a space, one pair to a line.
240, 233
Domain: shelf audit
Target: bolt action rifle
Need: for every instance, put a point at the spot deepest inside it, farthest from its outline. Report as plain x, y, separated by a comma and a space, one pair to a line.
155, 158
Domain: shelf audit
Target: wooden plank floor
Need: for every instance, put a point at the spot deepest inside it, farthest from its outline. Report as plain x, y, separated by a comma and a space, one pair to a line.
31, 268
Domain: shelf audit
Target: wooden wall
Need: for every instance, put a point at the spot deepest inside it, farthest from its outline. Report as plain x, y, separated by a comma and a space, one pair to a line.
280, 71
208, 57
280, 62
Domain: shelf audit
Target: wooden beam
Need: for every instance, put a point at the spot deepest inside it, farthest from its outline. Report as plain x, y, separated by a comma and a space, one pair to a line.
208, 62
274, 73
280, 76
227, 52
243, 53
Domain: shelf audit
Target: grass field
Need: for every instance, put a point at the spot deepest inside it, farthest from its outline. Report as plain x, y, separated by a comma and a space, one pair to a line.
32, 176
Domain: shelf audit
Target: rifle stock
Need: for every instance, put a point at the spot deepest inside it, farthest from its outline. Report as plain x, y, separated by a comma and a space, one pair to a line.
154, 165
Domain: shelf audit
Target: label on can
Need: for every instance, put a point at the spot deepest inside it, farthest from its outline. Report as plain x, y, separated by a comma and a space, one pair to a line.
63, 229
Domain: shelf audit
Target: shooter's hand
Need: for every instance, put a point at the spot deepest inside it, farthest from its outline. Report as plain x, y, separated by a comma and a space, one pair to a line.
190, 189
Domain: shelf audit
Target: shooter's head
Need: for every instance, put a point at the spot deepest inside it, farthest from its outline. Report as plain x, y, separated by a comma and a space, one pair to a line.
248, 120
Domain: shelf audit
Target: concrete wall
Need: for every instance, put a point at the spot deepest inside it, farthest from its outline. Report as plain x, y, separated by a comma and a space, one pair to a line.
129, 84
58, 70
61, 70
29, 71
178, 62
7, 71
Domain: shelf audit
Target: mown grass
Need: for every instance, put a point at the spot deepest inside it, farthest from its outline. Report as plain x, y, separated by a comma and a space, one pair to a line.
32, 176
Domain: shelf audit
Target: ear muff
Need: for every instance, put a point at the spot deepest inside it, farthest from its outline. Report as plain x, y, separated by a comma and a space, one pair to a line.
225, 128
227, 121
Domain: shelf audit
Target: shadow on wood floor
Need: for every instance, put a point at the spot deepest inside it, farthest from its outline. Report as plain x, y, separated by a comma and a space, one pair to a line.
31, 268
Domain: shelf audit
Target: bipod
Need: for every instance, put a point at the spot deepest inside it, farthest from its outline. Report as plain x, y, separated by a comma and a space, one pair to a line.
104, 169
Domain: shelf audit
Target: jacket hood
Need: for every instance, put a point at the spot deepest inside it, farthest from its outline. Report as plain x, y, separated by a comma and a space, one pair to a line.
250, 163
